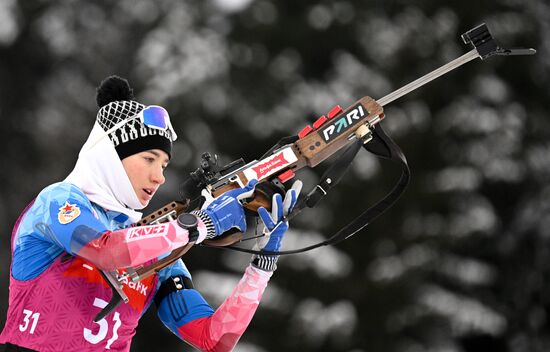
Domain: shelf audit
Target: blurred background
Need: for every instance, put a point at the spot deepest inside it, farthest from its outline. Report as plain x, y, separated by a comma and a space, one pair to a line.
459, 264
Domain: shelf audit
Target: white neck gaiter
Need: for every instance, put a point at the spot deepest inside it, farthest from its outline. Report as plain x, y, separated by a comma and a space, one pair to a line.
100, 175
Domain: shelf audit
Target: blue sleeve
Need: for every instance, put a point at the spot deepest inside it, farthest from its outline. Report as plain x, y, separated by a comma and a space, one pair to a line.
182, 306
68, 218
60, 219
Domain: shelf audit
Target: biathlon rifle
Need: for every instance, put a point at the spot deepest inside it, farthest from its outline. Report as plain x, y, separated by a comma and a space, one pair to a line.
341, 130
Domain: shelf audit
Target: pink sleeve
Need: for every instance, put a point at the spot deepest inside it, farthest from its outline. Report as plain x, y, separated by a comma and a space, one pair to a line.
136, 245
221, 331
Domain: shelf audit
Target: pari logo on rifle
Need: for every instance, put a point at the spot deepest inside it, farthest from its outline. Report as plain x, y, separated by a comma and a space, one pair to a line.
343, 123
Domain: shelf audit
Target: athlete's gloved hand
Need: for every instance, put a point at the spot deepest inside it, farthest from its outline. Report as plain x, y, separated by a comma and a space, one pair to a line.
226, 211
275, 226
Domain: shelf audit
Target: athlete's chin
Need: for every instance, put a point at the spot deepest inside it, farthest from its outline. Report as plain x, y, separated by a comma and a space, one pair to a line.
144, 202
144, 196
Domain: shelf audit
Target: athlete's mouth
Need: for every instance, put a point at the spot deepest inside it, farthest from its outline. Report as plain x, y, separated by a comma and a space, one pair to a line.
148, 191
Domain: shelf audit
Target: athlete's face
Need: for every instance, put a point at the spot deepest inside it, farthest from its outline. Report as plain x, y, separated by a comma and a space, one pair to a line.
146, 172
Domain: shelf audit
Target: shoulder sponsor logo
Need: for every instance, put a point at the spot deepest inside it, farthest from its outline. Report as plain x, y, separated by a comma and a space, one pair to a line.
68, 213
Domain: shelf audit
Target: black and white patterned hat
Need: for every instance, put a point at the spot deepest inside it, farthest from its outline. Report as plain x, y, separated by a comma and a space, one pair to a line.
117, 116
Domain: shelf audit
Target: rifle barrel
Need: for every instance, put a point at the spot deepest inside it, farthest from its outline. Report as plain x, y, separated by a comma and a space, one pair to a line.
469, 56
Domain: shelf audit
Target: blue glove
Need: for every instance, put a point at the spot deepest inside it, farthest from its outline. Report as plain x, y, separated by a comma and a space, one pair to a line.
276, 225
226, 211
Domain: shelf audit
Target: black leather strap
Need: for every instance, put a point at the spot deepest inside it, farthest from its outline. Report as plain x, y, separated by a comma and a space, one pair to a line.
172, 284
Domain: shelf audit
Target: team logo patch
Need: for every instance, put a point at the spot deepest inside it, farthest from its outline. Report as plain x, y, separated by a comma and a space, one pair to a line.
68, 213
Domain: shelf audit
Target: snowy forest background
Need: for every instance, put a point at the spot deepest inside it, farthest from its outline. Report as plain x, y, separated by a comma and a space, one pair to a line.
459, 264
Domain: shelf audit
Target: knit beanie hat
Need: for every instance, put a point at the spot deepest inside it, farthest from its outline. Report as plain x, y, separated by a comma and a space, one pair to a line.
118, 116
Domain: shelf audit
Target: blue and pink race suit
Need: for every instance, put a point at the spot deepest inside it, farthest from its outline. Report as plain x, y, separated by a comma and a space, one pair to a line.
52, 302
